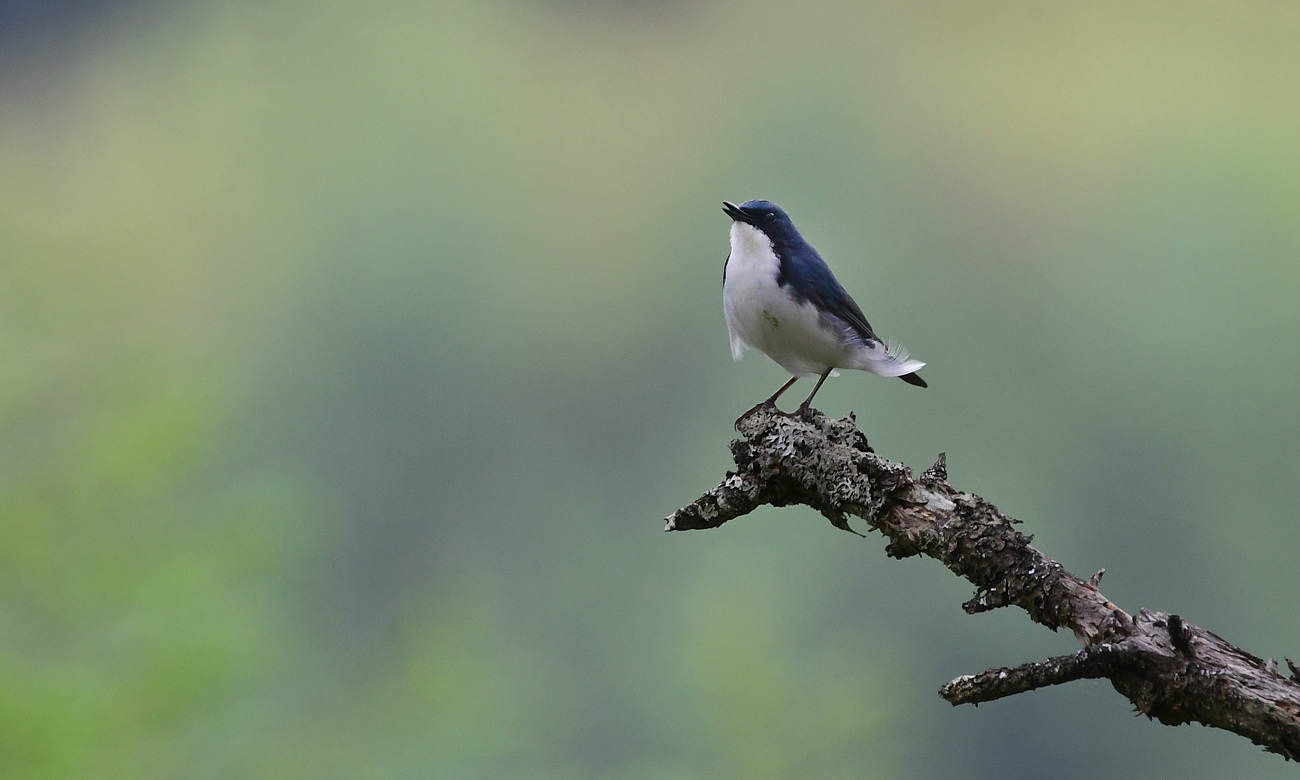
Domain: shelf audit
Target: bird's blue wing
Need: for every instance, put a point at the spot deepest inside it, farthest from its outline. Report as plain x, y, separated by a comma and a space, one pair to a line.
842, 305
809, 278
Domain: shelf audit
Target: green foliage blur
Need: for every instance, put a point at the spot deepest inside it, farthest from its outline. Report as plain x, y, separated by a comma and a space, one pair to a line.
352, 354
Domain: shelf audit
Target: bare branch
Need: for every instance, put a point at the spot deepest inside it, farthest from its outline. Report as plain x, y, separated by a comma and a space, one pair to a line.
999, 683
1169, 669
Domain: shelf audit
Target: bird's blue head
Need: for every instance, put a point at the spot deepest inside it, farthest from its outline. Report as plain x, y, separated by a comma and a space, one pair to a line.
765, 216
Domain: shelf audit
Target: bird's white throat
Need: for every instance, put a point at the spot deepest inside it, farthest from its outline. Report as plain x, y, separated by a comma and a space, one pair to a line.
751, 252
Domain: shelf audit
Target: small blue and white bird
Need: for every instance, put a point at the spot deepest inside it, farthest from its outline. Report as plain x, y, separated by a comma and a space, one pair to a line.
782, 299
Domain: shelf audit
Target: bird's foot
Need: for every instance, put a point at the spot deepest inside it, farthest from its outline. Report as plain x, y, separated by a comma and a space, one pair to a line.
804, 412
769, 406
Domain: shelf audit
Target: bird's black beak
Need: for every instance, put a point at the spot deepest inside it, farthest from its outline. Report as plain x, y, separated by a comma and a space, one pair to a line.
733, 211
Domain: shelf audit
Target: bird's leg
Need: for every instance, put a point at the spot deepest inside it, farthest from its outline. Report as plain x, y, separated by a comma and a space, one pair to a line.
807, 402
771, 402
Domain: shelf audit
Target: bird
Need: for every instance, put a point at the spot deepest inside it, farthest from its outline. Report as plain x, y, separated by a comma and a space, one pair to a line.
781, 298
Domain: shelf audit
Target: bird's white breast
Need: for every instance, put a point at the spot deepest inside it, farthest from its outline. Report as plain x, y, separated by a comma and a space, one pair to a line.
762, 315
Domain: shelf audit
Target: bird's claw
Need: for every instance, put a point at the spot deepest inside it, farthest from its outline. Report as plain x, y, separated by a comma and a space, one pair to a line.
764, 406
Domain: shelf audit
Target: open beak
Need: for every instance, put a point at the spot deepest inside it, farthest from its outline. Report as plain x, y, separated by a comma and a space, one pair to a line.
733, 211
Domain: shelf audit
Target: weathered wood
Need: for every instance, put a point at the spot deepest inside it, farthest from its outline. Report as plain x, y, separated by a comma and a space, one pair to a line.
1169, 669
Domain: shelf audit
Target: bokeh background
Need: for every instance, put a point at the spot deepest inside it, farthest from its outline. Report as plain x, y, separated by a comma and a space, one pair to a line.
352, 354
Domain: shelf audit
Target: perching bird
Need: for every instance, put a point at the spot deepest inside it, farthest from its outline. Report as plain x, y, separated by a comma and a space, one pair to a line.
782, 299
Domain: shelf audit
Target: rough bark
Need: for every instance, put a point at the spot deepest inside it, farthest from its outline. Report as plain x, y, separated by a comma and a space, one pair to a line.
1169, 669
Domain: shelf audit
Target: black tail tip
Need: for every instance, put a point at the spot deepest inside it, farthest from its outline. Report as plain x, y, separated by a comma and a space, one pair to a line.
914, 379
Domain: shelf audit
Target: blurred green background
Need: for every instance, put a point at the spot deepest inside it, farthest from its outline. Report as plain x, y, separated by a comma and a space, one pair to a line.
354, 352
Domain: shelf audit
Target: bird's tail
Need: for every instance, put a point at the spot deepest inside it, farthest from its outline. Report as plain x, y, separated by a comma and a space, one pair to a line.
889, 359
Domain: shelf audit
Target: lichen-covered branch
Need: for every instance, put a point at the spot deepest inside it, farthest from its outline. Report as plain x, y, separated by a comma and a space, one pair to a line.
1169, 669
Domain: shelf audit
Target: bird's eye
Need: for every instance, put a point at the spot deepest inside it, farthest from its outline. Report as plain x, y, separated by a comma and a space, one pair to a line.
771, 216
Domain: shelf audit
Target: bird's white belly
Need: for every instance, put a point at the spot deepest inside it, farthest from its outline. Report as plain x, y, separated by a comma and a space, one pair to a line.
762, 315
